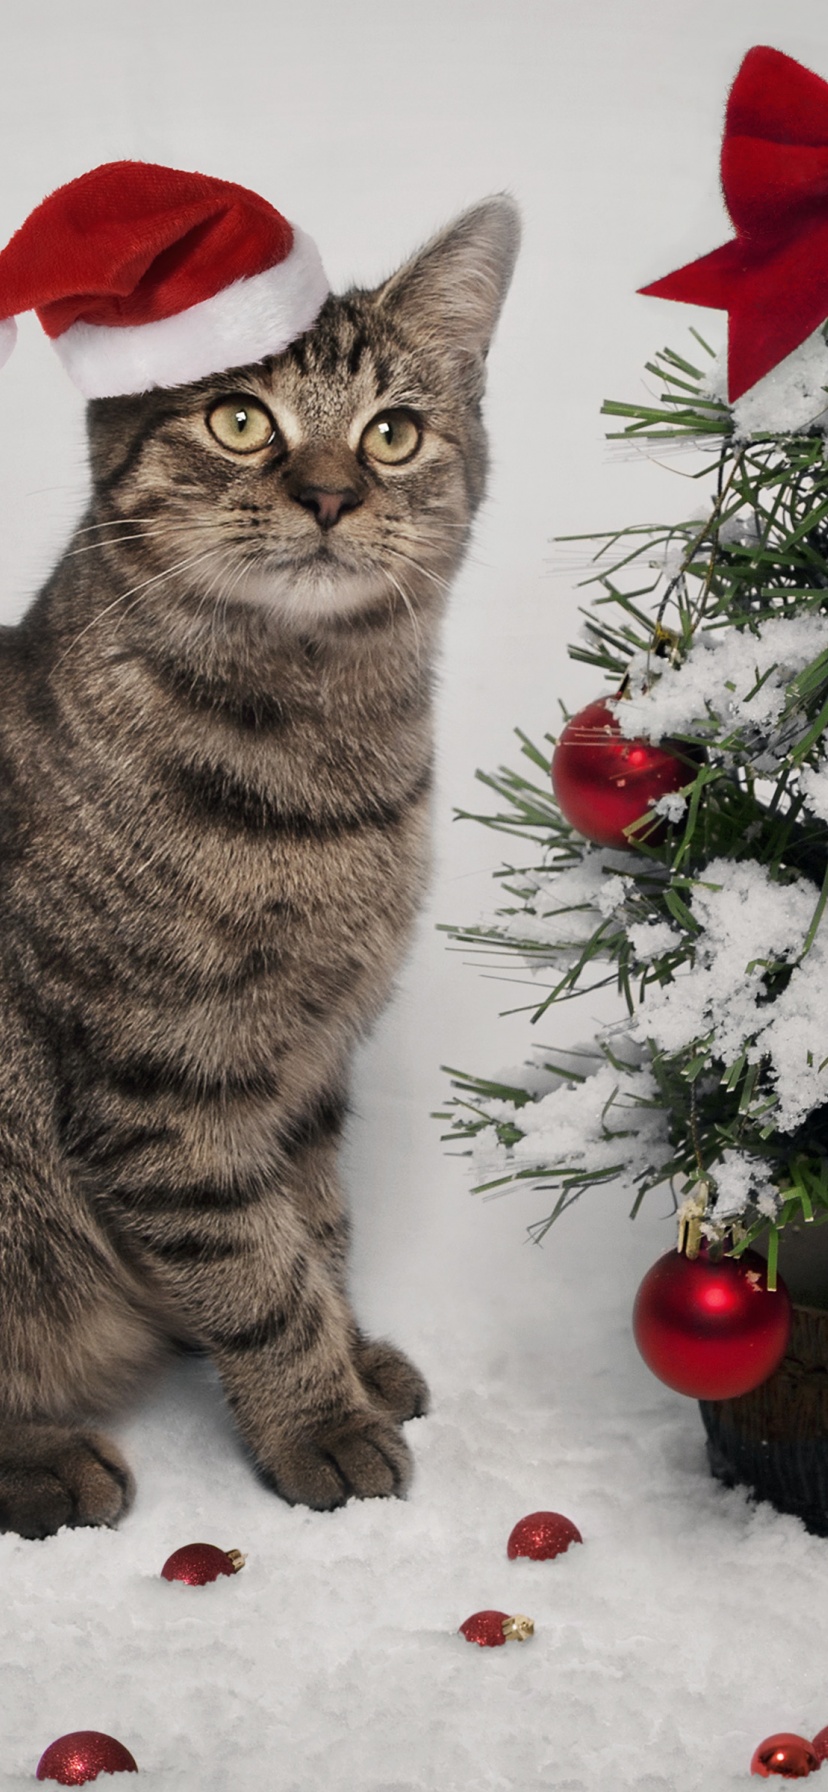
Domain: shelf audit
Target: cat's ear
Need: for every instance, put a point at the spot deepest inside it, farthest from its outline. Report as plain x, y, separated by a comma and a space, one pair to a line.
452, 290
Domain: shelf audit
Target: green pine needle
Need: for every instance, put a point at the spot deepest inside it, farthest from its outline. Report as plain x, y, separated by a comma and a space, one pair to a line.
760, 553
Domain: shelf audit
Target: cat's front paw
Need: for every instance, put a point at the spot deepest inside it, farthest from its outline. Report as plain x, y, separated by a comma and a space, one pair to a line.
391, 1379
51, 1476
359, 1456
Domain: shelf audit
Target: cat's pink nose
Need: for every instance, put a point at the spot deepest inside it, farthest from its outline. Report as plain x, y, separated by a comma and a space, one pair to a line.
327, 506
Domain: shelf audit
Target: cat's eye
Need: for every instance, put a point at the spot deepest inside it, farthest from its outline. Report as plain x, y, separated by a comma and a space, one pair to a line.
393, 437
242, 424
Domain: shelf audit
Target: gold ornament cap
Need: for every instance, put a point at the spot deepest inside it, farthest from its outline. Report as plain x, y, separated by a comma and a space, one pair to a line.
236, 1559
519, 1627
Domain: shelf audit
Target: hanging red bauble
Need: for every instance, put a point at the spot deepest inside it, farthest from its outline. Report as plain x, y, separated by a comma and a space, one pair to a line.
490, 1628
81, 1756
792, 1757
198, 1563
604, 782
820, 1745
711, 1330
541, 1535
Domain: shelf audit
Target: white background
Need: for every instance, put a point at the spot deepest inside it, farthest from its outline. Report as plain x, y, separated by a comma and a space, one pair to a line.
688, 1626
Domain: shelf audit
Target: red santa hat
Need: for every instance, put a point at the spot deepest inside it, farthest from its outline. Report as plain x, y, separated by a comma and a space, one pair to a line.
147, 276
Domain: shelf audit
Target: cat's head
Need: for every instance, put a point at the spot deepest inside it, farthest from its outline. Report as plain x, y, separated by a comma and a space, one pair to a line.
342, 473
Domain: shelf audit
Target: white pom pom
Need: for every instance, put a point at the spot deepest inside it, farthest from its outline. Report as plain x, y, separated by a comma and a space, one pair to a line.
8, 338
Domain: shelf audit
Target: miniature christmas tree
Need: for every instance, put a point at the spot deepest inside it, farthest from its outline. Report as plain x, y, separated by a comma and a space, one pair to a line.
703, 899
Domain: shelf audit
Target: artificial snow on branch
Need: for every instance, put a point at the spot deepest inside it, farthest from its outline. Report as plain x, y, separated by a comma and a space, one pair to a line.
713, 635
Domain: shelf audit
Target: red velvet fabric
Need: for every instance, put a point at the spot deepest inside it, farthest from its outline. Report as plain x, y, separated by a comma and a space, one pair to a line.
131, 242
772, 278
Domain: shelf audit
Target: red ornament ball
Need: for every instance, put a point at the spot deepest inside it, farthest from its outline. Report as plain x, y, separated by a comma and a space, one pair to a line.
604, 782
820, 1745
485, 1628
542, 1534
786, 1754
711, 1330
198, 1563
491, 1628
81, 1756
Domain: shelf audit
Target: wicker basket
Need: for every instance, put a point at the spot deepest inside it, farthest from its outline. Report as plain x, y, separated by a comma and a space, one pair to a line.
775, 1439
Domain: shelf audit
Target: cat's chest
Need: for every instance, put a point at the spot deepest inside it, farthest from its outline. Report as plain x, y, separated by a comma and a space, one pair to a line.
237, 865
259, 859
318, 811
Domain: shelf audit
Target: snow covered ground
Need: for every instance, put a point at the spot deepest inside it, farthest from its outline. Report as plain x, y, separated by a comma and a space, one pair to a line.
689, 1625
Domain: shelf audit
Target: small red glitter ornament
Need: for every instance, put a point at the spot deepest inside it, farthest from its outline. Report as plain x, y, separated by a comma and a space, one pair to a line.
198, 1563
541, 1535
820, 1745
490, 1628
711, 1330
81, 1756
604, 782
786, 1754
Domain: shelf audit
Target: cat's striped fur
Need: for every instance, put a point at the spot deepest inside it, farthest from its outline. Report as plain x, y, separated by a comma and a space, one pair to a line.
215, 760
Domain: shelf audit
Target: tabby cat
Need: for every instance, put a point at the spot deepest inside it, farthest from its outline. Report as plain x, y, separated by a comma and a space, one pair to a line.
215, 762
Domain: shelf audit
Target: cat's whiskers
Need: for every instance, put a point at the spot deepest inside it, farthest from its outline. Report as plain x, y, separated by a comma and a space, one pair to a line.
415, 627
442, 504
225, 598
178, 567
186, 527
128, 521
436, 578
215, 603
210, 638
94, 547
207, 607
204, 632
261, 557
142, 589
115, 522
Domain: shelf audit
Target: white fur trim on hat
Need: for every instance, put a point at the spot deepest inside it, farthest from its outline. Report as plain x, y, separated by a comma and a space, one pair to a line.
245, 322
8, 338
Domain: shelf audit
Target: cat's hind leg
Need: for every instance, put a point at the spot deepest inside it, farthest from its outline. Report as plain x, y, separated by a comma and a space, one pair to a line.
56, 1467
75, 1338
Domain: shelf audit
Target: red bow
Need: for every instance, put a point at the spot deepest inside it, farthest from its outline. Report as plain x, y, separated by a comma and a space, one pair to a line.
772, 278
